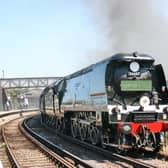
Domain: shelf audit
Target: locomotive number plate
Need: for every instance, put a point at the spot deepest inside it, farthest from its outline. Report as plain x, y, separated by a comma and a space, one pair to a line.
133, 74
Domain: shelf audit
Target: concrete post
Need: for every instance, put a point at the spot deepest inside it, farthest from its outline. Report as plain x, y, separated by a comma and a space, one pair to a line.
1, 101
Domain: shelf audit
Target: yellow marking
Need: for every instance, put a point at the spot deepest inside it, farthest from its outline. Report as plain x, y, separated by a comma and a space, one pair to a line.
98, 94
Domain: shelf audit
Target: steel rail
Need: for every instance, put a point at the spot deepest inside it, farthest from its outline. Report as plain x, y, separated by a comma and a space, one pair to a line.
10, 154
15, 161
58, 159
12, 158
62, 162
108, 154
77, 162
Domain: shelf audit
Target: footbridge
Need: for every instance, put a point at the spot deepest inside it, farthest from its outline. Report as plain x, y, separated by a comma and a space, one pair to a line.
27, 82
8, 83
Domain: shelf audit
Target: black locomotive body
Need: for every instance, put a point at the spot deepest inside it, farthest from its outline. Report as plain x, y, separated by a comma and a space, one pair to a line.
122, 100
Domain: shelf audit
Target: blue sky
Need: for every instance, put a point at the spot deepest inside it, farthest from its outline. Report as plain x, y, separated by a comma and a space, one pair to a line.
58, 37
43, 38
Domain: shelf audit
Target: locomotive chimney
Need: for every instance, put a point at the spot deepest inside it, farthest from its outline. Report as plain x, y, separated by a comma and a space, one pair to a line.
135, 54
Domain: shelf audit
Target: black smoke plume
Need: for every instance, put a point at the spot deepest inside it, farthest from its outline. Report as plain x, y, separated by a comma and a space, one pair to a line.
130, 25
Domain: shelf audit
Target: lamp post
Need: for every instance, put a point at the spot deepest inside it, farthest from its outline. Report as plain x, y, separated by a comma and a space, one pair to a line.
3, 74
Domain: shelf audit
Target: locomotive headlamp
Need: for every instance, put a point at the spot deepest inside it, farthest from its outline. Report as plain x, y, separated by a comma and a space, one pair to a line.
134, 66
118, 116
164, 116
144, 101
126, 128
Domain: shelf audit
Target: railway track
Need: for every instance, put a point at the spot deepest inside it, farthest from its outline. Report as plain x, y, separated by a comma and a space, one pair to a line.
6, 117
24, 151
142, 162
4, 161
21, 151
66, 157
107, 154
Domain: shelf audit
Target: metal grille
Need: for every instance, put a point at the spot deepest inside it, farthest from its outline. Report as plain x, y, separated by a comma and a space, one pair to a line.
145, 116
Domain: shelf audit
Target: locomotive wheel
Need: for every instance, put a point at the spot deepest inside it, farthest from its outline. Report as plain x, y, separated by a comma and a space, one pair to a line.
141, 141
74, 129
83, 132
61, 125
47, 120
120, 143
147, 138
44, 118
155, 141
94, 135
103, 142
52, 122
58, 124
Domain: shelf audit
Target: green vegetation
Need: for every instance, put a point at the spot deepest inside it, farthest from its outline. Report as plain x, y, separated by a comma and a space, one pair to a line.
13, 94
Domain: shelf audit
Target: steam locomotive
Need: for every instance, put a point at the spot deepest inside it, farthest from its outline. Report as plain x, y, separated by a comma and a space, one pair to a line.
121, 101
